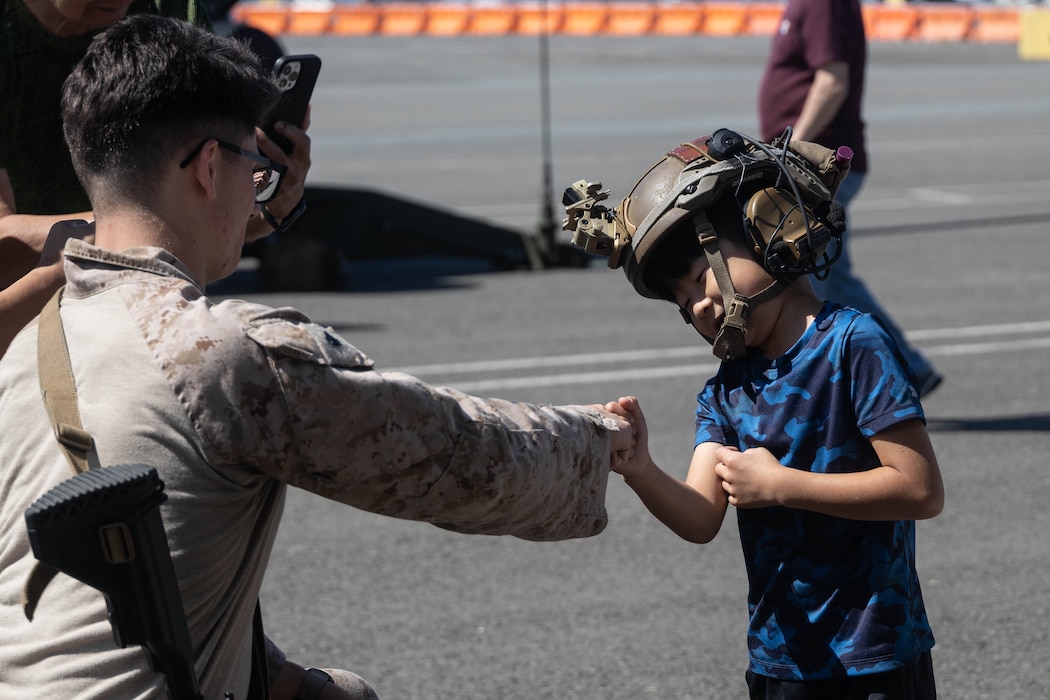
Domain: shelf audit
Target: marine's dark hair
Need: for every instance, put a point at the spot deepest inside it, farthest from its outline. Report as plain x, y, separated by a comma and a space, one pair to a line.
149, 85
678, 248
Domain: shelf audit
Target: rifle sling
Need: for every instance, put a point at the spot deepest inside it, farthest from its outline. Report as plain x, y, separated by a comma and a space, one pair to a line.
59, 391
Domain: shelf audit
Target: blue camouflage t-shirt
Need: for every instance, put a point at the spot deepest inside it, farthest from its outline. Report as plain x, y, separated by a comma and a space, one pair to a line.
827, 597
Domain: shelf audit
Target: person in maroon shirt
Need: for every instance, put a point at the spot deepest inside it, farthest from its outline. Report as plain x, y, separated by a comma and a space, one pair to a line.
814, 83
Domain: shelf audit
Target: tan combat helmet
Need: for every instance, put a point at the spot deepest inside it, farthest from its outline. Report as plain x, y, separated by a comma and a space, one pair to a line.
785, 190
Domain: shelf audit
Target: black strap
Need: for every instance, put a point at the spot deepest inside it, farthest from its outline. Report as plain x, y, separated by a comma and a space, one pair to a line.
259, 687
313, 685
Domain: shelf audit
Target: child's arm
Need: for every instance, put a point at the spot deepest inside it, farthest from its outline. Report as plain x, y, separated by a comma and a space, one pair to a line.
693, 509
907, 486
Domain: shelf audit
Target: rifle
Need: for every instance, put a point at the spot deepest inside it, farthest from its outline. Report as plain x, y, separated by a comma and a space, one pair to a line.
103, 527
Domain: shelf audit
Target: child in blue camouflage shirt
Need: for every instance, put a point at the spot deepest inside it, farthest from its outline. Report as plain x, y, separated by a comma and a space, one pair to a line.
812, 428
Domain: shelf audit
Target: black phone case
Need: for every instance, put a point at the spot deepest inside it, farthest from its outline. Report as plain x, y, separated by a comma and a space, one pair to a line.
296, 76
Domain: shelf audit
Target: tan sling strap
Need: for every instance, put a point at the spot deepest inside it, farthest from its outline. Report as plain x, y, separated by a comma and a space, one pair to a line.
60, 397
59, 388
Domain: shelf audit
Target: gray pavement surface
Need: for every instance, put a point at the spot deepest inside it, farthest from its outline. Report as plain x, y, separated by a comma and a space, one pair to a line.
951, 233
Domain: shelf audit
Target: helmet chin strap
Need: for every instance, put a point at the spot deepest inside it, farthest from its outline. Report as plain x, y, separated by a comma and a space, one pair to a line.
729, 343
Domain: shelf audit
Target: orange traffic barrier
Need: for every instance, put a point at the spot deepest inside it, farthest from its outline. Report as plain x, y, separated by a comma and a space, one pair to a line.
630, 18
446, 19
402, 19
724, 19
678, 19
763, 19
995, 24
354, 20
493, 19
534, 18
584, 18
945, 23
308, 22
890, 22
882, 22
272, 19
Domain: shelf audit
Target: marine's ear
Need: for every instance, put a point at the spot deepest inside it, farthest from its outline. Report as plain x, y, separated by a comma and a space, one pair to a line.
203, 168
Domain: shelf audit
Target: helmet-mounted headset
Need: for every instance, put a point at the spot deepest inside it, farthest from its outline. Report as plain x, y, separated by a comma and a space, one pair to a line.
785, 190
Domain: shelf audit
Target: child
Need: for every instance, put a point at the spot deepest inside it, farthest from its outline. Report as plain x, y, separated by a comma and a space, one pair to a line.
811, 428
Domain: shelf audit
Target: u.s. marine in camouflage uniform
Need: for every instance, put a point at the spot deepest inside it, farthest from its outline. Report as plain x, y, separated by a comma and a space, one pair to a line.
812, 427
232, 402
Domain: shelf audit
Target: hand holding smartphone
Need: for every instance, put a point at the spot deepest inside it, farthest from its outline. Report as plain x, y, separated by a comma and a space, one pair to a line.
296, 76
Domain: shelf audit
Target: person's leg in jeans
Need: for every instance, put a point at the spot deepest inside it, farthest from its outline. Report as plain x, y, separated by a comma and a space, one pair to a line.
844, 287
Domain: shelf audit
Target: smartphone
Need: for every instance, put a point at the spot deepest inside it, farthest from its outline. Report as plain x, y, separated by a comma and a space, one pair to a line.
296, 76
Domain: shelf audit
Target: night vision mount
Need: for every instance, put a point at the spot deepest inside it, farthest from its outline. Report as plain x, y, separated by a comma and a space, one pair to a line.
593, 225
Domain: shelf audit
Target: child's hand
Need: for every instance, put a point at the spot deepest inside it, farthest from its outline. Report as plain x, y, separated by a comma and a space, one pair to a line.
637, 460
749, 478
621, 435
621, 448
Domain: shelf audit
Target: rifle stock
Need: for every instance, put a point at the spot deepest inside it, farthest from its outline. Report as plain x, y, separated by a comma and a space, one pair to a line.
104, 528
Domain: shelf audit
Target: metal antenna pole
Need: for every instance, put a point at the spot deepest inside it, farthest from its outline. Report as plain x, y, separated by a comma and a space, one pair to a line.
547, 225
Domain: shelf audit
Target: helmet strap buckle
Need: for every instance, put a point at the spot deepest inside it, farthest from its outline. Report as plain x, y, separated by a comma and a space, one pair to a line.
730, 343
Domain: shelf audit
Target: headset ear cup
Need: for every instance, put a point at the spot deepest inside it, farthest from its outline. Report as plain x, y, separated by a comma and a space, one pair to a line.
765, 214
761, 221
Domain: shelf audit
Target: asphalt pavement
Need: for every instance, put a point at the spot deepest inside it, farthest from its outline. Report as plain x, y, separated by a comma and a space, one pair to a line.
950, 232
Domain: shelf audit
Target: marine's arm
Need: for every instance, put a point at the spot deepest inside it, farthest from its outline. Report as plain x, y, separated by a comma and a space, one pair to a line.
268, 391
311, 411
465, 463
906, 486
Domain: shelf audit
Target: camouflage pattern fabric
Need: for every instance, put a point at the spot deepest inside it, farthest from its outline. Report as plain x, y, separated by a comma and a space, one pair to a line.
232, 402
828, 597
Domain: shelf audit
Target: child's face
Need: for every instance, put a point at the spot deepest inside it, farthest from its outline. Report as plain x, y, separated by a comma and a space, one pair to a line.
697, 292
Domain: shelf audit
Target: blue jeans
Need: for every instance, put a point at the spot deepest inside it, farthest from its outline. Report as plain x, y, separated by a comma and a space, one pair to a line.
847, 289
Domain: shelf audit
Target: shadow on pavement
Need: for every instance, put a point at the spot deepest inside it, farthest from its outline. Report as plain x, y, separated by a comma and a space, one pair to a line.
363, 240
1005, 424
994, 223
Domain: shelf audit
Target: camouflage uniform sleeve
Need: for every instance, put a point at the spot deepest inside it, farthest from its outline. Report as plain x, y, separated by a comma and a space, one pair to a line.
391, 444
